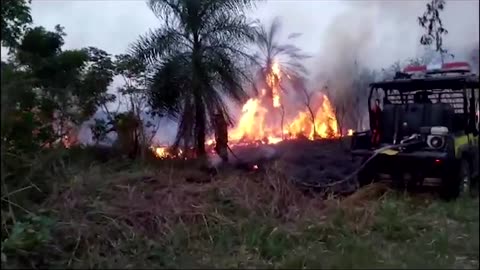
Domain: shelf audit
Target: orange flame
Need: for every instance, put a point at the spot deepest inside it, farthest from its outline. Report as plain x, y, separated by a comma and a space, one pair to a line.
259, 122
273, 80
163, 152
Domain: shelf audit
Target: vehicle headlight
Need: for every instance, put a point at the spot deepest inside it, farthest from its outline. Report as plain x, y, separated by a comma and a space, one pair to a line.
435, 142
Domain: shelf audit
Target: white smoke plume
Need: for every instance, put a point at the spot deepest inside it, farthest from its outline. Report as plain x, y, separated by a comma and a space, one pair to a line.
376, 34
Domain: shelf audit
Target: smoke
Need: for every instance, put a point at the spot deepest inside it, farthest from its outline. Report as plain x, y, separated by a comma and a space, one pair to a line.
378, 33
375, 34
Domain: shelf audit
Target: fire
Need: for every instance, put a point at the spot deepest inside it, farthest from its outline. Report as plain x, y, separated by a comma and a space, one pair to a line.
164, 152
252, 112
262, 119
273, 79
260, 123
161, 152
350, 132
324, 124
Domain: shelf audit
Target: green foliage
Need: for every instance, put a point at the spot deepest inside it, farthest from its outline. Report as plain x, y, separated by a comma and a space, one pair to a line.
15, 20
74, 82
46, 89
32, 233
134, 73
130, 68
26, 240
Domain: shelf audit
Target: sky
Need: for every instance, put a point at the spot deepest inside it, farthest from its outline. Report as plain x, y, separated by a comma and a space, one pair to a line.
390, 25
375, 33
112, 25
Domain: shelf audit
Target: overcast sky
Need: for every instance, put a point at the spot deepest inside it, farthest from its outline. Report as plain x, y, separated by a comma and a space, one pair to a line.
376, 33
113, 25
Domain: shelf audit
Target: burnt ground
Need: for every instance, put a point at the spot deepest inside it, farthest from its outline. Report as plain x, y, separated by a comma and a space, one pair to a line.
315, 163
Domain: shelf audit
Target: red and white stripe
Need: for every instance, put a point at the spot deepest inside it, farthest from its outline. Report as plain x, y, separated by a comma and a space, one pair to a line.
415, 69
456, 66
447, 67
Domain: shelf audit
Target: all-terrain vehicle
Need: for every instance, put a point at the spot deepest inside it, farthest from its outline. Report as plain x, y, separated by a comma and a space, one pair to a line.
424, 126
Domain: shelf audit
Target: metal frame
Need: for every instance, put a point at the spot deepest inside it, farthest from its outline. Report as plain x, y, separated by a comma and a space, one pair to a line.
457, 88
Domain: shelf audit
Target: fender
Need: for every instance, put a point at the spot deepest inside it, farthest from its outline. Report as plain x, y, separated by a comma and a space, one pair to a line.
461, 146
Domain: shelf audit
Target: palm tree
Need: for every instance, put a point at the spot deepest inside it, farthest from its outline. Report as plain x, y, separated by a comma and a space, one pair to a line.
271, 50
198, 56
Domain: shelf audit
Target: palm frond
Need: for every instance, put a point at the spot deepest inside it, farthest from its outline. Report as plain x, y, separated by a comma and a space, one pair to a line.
191, 88
165, 9
226, 7
227, 76
270, 49
170, 84
159, 43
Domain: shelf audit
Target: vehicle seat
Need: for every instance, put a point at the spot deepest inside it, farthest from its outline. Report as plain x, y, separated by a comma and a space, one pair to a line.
441, 114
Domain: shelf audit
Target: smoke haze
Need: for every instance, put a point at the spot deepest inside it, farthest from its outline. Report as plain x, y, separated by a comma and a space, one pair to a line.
336, 33
371, 35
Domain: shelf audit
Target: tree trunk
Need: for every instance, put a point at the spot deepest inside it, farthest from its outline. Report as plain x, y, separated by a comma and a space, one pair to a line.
200, 121
312, 116
200, 128
269, 89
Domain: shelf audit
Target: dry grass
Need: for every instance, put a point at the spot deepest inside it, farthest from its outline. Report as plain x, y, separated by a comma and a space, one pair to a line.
156, 200
151, 217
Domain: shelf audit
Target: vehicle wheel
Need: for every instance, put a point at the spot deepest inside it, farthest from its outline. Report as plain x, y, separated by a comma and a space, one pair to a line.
460, 183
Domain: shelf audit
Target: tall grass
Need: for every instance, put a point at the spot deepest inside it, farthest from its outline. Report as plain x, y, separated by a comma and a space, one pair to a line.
129, 215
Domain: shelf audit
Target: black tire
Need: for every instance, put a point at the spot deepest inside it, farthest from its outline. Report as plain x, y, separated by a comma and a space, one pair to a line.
459, 183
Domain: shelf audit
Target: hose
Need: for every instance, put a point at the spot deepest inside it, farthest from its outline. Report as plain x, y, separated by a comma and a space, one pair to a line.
410, 141
406, 142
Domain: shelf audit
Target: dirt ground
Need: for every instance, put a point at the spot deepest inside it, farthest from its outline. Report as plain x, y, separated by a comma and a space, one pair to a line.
318, 162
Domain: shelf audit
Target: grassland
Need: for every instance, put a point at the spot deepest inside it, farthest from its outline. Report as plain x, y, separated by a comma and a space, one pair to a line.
136, 216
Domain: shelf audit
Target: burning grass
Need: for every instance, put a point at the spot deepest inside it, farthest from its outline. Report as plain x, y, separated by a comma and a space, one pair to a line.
144, 217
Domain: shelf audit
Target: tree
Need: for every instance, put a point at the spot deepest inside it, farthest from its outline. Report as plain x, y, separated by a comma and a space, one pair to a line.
307, 101
198, 58
15, 21
19, 118
432, 23
60, 89
271, 50
131, 125
134, 74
